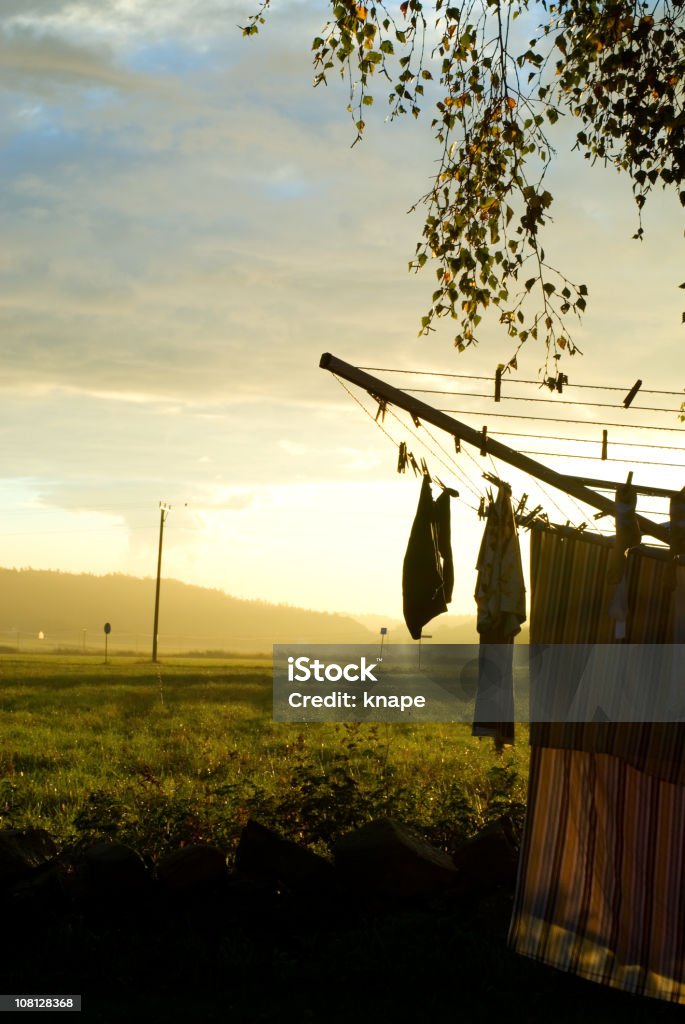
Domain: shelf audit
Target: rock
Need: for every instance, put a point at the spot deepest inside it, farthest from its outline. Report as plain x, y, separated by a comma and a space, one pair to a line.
263, 853
36, 901
21, 851
192, 867
489, 858
116, 869
386, 859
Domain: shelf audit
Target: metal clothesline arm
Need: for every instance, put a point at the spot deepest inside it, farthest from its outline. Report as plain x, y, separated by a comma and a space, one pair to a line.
569, 485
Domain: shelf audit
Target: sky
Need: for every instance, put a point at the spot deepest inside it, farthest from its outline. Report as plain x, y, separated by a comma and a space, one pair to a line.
186, 228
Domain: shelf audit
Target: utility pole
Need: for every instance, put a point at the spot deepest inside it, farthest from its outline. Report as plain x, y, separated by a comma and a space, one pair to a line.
164, 511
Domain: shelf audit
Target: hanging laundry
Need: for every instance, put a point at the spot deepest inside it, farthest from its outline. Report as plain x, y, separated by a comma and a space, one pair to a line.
677, 566
627, 536
677, 531
599, 890
428, 570
501, 600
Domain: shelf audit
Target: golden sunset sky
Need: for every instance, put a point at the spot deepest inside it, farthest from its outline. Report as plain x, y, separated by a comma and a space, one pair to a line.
185, 230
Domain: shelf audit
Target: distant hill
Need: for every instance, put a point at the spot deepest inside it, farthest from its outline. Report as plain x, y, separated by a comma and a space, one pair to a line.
71, 610
444, 629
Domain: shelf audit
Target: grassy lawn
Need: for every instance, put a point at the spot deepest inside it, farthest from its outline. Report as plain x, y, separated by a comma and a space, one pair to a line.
186, 751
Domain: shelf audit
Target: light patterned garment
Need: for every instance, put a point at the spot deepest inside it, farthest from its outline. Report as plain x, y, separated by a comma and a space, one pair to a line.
601, 887
500, 590
501, 600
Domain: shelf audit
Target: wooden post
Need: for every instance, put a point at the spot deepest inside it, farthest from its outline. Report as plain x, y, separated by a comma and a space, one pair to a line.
163, 513
475, 437
498, 385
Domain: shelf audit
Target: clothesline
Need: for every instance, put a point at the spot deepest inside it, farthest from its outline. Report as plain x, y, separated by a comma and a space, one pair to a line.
627, 462
554, 401
599, 888
589, 440
449, 462
558, 419
518, 380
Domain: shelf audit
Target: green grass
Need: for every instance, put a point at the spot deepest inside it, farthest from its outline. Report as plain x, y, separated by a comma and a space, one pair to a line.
187, 751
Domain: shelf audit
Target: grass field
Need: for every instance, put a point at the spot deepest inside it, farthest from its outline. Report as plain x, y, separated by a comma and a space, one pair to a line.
186, 751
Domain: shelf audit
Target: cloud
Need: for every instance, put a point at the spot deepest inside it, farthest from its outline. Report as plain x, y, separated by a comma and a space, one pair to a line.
40, 63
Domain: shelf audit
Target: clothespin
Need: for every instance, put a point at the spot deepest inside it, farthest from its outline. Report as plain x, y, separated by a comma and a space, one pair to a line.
484, 441
425, 471
402, 459
413, 463
382, 408
457, 444
482, 514
551, 383
498, 383
629, 479
581, 527
448, 490
631, 394
560, 381
417, 421
531, 516
605, 439
521, 505
600, 515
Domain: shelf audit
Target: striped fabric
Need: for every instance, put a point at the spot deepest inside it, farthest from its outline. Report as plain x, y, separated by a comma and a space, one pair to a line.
561, 567
650, 596
601, 886
570, 592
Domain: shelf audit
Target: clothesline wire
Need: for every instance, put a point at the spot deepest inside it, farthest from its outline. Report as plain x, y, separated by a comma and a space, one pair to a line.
545, 492
589, 440
499, 475
555, 401
549, 497
361, 405
519, 380
453, 468
557, 419
596, 458
396, 443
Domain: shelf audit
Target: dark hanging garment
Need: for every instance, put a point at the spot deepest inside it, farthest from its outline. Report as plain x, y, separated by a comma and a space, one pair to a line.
442, 521
428, 571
